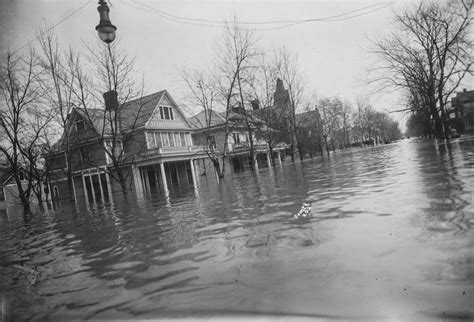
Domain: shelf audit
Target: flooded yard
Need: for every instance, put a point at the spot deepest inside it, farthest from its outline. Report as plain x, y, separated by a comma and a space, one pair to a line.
390, 238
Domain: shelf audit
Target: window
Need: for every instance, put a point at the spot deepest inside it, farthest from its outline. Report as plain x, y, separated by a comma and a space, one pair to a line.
171, 138
55, 192
85, 155
189, 140
177, 140
117, 149
2, 195
80, 125
166, 113
236, 137
150, 140
158, 140
165, 139
211, 141
183, 139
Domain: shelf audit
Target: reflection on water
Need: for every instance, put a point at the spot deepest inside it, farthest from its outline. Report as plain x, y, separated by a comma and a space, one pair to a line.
391, 237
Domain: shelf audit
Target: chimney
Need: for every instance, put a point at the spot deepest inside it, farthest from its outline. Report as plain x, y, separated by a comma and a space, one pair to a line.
464, 90
111, 101
255, 104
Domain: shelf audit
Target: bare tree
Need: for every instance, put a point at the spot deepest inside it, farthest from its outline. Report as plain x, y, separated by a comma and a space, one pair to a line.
22, 120
293, 78
116, 124
227, 87
262, 85
430, 53
236, 63
204, 94
329, 109
59, 95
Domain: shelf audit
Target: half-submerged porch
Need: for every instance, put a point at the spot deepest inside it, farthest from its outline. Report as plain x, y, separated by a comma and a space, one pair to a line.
165, 170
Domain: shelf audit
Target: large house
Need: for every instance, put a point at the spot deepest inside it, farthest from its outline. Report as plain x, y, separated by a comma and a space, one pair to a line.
210, 130
145, 143
461, 112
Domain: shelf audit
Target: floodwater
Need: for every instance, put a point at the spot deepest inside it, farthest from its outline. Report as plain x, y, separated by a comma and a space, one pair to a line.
391, 238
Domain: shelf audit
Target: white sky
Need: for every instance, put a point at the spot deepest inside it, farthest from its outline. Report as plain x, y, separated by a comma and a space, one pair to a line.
333, 54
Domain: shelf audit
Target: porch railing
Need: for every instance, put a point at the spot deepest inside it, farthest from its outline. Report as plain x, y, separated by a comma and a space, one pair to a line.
175, 150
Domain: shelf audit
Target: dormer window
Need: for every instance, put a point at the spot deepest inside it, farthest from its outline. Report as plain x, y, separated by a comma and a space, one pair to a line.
80, 125
166, 113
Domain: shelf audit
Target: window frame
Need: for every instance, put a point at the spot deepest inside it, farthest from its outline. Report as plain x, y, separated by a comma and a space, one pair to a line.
83, 126
85, 155
166, 113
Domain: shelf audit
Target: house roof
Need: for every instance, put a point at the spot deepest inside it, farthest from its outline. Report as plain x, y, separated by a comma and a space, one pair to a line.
465, 96
5, 174
199, 121
133, 114
307, 117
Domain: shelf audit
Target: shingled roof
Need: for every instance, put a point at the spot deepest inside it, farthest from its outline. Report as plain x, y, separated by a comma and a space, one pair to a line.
133, 114
198, 121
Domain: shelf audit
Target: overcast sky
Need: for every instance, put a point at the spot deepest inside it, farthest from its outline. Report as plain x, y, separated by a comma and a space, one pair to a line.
163, 38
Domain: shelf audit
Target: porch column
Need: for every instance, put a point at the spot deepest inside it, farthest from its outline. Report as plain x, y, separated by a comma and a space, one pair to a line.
73, 189
100, 187
255, 162
191, 164
269, 161
163, 178
146, 179
137, 181
195, 169
92, 187
109, 186
85, 188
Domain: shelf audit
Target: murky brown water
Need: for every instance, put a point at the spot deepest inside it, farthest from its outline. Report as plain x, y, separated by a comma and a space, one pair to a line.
391, 238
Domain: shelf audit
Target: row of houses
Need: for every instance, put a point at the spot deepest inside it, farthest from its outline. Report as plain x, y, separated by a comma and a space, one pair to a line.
158, 149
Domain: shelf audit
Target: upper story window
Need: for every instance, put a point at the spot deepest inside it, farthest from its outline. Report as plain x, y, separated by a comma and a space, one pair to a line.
80, 125
211, 141
166, 113
85, 155
118, 148
236, 137
158, 139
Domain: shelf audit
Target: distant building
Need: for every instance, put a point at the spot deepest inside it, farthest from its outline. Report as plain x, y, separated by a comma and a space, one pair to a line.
210, 130
8, 187
461, 112
154, 142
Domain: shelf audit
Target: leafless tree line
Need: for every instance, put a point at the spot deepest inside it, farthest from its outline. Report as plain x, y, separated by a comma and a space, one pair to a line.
428, 56
244, 75
41, 88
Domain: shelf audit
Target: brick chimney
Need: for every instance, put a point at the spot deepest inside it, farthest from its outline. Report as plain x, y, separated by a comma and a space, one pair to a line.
255, 104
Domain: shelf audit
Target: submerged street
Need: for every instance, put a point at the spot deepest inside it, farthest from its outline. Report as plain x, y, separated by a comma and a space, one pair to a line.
391, 238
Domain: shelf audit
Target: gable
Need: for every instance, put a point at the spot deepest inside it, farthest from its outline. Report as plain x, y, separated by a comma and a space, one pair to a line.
163, 118
165, 101
85, 132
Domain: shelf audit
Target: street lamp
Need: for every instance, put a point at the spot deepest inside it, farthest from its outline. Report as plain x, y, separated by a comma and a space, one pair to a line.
107, 33
105, 28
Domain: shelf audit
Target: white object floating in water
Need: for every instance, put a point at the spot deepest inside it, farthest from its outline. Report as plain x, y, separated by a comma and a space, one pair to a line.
304, 211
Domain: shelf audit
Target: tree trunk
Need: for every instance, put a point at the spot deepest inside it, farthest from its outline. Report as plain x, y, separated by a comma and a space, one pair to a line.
22, 194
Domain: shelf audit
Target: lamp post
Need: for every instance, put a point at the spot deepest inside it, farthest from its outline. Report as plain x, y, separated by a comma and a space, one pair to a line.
106, 33
105, 28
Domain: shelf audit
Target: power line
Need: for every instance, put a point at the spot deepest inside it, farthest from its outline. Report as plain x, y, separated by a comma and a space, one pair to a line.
54, 26
288, 23
384, 4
